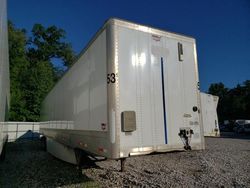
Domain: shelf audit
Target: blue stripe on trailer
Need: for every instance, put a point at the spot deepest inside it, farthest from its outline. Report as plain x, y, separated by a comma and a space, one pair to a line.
163, 100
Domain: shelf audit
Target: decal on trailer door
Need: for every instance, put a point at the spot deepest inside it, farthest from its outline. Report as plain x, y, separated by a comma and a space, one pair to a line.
163, 100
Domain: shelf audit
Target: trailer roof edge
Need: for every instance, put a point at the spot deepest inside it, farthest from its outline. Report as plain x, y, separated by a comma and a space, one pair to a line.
148, 29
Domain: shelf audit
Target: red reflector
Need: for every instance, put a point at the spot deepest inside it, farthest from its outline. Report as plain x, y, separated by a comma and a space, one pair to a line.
100, 149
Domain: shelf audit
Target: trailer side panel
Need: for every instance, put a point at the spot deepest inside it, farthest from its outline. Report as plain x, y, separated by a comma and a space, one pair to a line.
75, 111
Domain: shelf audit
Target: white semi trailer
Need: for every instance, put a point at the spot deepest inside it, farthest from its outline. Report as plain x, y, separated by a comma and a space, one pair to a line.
209, 114
133, 90
4, 77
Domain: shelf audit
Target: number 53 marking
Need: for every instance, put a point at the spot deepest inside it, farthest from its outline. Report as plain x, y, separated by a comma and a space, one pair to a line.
111, 78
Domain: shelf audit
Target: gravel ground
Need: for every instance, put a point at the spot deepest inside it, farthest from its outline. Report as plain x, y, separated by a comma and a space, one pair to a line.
224, 163
28, 165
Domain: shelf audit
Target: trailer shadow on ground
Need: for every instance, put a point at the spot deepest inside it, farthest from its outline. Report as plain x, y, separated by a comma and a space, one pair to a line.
28, 165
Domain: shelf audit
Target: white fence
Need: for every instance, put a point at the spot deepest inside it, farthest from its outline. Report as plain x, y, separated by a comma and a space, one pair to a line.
22, 130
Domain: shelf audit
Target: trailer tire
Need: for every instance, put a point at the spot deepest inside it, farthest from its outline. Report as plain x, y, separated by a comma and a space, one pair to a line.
79, 161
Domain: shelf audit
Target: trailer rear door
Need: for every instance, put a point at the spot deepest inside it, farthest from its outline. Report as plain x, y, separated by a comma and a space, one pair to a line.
158, 86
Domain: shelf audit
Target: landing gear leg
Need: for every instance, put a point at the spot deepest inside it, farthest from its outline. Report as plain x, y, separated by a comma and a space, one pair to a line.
122, 164
84, 160
2, 156
79, 161
44, 142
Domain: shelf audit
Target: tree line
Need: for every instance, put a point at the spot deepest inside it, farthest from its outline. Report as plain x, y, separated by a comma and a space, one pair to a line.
233, 103
32, 71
